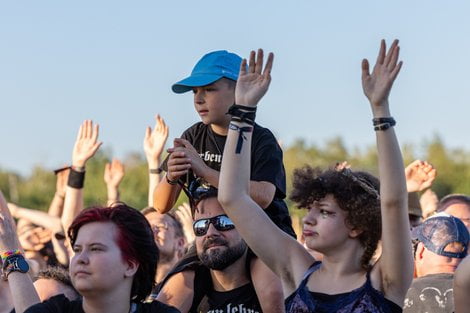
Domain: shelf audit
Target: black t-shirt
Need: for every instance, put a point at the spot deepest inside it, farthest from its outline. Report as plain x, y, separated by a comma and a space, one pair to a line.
430, 293
60, 304
241, 299
266, 164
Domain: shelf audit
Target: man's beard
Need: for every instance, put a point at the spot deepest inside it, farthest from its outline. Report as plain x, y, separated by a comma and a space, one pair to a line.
220, 258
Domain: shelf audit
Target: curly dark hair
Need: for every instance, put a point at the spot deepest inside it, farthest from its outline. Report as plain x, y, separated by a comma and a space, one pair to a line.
356, 192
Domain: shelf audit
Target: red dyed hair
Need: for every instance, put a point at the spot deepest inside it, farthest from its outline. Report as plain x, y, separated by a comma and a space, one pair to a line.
134, 238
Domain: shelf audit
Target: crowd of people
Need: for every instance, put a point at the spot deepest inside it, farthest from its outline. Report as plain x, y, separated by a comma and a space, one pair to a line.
367, 244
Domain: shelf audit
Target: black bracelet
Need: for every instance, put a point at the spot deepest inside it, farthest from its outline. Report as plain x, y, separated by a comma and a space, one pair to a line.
155, 170
171, 182
241, 113
241, 130
382, 127
382, 120
76, 179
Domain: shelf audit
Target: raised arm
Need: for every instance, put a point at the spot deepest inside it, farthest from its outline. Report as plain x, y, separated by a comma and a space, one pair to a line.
462, 287
57, 204
113, 175
154, 143
85, 147
21, 286
261, 234
395, 270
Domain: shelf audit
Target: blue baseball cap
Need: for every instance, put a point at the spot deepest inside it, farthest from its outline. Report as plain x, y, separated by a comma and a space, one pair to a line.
438, 231
210, 68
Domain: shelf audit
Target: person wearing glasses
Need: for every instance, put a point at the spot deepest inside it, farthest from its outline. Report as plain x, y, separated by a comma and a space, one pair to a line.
221, 280
347, 212
195, 158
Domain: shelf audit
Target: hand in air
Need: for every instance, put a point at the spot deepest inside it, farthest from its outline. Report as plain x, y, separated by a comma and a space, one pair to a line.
154, 141
419, 176
86, 143
253, 82
377, 85
113, 173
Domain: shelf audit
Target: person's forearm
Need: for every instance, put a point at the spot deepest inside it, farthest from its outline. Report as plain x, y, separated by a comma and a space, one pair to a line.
165, 196
72, 206
40, 218
60, 252
113, 195
154, 179
57, 205
22, 290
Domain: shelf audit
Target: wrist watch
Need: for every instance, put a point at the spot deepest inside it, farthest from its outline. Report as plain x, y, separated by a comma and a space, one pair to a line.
14, 263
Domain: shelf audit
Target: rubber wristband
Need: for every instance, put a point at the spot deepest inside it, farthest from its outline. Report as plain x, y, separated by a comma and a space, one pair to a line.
171, 182
382, 120
382, 127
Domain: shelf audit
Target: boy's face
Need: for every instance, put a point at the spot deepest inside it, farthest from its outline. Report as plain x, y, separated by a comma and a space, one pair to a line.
212, 101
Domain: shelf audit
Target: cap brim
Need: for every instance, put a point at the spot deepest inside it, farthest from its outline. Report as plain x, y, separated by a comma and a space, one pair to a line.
187, 84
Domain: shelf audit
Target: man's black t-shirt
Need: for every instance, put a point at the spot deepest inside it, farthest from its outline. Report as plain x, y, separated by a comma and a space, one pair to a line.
60, 304
266, 164
431, 293
241, 299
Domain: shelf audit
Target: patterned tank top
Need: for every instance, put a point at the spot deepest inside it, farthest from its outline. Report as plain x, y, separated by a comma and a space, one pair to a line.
363, 299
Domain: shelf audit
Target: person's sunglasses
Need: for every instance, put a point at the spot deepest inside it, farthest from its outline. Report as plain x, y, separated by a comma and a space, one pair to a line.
220, 222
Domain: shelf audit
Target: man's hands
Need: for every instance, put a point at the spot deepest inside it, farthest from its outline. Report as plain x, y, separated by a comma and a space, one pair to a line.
86, 144
253, 82
182, 158
154, 142
419, 176
113, 173
8, 237
377, 85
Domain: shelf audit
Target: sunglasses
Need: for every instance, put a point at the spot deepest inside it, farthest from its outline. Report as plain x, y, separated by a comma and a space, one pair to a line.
220, 222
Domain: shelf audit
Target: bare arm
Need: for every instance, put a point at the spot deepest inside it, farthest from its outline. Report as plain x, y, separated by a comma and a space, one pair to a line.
21, 286
178, 291
261, 234
396, 263
85, 147
37, 217
462, 286
113, 175
154, 142
57, 204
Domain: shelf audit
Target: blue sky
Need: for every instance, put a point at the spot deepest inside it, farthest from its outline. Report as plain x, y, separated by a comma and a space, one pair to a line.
114, 62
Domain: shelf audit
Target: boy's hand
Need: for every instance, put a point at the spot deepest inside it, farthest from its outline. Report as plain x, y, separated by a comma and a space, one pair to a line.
253, 83
192, 158
377, 85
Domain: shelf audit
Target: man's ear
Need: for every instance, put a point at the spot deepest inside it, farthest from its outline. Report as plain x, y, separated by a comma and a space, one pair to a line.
419, 254
132, 267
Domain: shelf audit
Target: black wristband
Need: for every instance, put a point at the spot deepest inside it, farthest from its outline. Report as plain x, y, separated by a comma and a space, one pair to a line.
76, 179
383, 120
171, 182
241, 113
155, 170
382, 127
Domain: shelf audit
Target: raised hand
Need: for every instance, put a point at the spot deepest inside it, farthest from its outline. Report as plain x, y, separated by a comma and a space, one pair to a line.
184, 216
253, 82
154, 141
377, 85
113, 173
86, 144
419, 176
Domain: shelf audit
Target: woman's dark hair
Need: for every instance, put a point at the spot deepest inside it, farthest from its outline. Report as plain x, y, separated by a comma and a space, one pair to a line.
134, 238
356, 192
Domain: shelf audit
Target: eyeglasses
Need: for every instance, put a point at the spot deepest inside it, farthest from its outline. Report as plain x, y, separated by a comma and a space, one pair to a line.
220, 222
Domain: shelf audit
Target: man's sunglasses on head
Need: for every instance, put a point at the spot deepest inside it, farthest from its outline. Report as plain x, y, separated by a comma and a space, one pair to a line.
220, 222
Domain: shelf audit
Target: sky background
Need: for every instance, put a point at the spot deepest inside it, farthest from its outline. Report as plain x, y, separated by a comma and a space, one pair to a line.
114, 62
